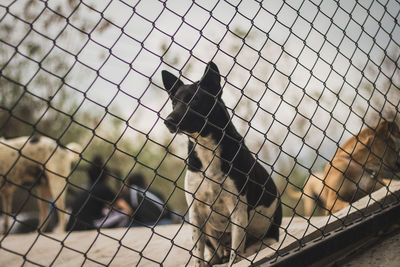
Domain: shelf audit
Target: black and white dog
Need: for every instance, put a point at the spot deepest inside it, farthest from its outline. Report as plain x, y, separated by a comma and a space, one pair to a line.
233, 201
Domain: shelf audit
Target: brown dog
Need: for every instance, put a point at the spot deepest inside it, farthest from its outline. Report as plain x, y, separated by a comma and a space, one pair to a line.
37, 160
360, 164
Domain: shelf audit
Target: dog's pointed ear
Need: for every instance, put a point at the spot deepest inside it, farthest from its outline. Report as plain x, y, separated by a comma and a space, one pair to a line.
383, 129
211, 80
394, 129
171, 82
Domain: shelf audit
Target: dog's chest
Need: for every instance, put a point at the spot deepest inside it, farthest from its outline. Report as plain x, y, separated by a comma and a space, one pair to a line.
208, 153
214, 193
209, 179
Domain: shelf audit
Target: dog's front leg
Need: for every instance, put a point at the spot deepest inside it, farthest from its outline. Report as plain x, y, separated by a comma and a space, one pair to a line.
7, 207
239, 222
43, 204
198, 237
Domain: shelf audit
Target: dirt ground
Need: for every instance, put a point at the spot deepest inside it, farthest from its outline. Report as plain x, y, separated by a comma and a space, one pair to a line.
115, 247
168, 245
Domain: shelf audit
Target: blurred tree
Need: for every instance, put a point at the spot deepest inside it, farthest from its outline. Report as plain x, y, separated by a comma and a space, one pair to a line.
37, 52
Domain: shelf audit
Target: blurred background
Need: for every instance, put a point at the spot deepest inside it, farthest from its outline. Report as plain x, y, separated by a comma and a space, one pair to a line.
299, 78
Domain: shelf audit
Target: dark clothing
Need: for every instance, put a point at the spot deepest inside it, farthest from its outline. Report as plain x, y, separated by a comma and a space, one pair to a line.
88, 206
148, 207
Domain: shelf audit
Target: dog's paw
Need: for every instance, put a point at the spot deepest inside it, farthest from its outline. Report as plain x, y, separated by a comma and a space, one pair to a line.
200, 263
269, 241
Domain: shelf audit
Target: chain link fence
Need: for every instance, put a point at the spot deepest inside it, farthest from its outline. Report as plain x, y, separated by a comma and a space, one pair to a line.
90, 139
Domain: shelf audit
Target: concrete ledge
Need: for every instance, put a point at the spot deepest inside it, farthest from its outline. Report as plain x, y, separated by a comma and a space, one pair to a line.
168, 245
319, 225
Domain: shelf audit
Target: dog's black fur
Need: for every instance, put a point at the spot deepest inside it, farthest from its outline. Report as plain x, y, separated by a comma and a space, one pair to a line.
200, 113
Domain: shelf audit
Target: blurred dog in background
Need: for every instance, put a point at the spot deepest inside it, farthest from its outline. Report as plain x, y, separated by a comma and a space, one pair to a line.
363, 164
39, 161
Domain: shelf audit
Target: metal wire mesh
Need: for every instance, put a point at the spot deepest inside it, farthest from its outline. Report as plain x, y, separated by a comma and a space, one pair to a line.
83, 101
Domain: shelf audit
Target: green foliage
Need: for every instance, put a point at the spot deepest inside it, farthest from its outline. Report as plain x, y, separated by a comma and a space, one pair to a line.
34, 71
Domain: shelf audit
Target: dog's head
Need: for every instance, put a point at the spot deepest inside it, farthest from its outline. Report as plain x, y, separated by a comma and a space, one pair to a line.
196, 107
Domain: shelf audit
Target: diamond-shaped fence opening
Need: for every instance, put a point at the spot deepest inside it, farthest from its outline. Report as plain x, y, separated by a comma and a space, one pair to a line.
194, 132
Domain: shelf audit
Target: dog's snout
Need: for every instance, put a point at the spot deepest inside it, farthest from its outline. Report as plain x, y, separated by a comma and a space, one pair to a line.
171, 123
